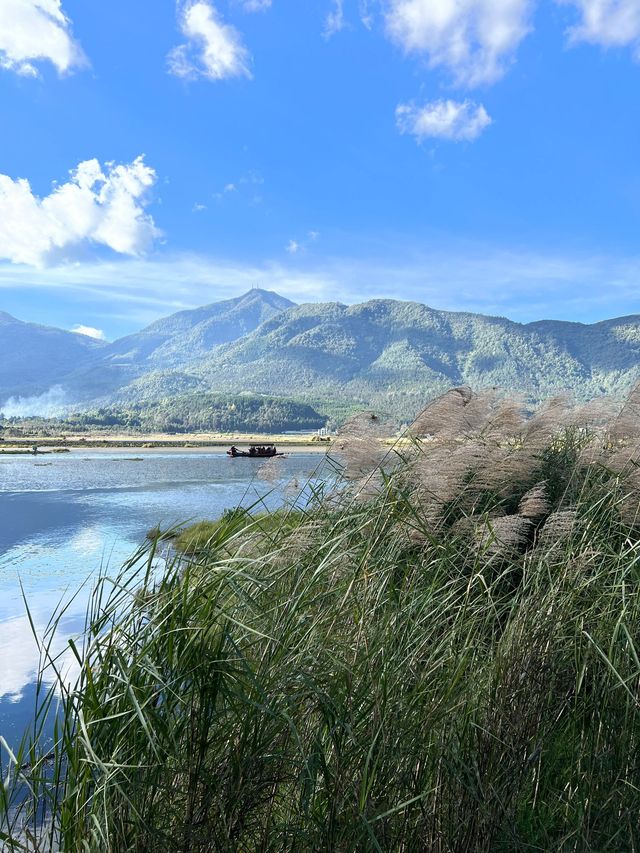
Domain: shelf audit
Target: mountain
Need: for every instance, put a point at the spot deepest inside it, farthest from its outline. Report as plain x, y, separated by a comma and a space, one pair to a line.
33, 358
188, 336
172, 343
387, 353
397, 354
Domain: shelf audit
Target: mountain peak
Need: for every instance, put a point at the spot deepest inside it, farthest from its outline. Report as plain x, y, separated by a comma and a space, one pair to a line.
268, 296
194, 333
383, 352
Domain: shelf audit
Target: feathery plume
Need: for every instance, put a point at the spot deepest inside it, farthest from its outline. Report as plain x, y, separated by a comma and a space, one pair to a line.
550, 418
505, 421
445, 414
627, 425
557, 530
359, 444
596, 414
271, 471
503, 536
534, 504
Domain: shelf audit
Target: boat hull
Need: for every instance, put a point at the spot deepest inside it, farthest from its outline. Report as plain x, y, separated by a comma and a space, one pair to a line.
245, 454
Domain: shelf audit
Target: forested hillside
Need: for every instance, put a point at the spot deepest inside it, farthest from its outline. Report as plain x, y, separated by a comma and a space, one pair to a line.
172, 344
35, 358
190, 413
398, 354
384, 353
189, 335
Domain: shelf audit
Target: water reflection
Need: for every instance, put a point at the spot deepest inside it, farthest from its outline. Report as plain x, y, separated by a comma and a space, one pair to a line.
64, 520
19, 661
19, 667
50, 576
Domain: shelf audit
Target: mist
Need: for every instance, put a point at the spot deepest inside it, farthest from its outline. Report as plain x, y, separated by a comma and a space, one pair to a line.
48, 405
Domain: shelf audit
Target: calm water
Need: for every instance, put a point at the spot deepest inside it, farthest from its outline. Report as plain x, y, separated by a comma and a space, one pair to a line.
63, 517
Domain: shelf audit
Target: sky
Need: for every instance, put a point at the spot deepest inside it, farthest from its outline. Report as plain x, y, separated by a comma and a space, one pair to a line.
478, 155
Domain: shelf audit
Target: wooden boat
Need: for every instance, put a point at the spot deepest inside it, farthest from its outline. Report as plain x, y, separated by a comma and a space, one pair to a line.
255, 451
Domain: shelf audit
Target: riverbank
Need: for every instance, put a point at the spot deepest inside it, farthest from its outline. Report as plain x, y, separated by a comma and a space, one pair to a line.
161, 441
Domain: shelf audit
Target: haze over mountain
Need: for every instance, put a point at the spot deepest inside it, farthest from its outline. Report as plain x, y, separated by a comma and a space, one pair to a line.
382, 352
33, 358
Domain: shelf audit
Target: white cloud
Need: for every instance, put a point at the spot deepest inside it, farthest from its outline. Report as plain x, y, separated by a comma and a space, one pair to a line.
256, 5
610, 23
228, 189
249, 180
102, 207
19, 668
214, 50
453, 120
334, 22
474, 39
366, 16
33, 31
90, 332
300, 247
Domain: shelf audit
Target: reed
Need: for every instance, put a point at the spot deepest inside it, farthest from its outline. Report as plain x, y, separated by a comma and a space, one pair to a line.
443, 654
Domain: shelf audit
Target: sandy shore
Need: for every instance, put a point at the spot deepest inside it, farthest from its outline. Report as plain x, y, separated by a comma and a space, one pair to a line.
192, 442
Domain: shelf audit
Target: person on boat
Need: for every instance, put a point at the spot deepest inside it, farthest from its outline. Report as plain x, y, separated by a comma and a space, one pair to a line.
233, 450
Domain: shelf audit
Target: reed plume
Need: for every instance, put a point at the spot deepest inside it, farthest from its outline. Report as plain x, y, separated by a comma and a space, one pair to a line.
441, 653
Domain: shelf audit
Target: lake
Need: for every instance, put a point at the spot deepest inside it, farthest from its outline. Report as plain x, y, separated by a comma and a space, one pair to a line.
65, 517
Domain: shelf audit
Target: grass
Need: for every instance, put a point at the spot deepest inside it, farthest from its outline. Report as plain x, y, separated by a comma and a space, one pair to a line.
443, 655
203, 537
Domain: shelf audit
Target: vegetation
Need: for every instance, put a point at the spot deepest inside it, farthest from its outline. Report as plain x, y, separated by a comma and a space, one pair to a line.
441, 654
190, 413
394, 356
204, 536
88, 369
384, 353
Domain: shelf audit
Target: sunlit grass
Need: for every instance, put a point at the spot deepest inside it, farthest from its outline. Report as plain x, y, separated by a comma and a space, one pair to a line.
442, 656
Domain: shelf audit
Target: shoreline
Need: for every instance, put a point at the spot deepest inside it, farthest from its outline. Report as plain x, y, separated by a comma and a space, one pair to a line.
193, 442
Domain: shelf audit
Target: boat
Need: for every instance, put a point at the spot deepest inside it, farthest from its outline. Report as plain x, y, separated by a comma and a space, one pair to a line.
255, 451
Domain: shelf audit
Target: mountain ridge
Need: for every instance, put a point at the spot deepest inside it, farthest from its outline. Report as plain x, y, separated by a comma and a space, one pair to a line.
208, 325
102, 367
52, 353
384, 352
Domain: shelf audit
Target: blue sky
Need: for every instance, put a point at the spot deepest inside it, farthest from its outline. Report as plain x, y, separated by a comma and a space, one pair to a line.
472, 154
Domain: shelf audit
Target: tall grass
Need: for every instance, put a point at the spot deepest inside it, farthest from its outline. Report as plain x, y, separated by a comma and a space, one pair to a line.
443, 656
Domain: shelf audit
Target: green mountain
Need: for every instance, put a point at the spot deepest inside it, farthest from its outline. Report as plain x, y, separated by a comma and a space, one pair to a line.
188, 336
33, 358
172, 344
386, 353
397, 354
